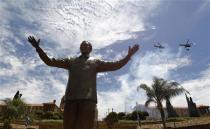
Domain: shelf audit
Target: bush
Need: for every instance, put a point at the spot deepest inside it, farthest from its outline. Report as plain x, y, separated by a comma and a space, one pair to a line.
128, 116
110, 119
59, 115
47, 115
121, 116
52, 115
113, 117
7, 124
15, 109
145, 113
133, 115
39, 113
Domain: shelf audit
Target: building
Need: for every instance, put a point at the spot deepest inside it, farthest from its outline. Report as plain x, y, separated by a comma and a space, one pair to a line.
32, 108
51, 106
154, 113
204, 109
182, 111
2, 106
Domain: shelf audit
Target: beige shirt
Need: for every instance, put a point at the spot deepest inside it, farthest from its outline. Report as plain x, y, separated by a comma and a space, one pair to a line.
82, 74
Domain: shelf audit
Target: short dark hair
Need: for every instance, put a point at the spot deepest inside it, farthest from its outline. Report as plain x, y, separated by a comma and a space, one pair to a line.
88, 43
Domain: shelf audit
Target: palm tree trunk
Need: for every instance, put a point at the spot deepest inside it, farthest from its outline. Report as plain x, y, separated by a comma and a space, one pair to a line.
160, 107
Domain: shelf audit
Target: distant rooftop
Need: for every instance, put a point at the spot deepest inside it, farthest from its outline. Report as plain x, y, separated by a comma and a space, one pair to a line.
2, 103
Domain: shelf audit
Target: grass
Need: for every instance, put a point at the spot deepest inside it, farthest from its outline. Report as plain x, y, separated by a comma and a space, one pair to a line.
171, 122
48, 121
150, 124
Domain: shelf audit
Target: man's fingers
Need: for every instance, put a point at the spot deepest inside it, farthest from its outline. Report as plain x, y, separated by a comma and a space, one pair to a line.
136, 47
30, 38
133, 49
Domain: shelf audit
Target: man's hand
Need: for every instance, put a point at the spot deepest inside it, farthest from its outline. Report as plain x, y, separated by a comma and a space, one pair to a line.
33, 41
133, 50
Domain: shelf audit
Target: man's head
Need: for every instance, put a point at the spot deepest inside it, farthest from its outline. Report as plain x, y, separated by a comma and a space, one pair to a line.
85, 47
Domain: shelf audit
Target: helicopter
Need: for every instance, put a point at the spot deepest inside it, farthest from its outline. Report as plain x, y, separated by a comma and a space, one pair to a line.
187, 45
158, 45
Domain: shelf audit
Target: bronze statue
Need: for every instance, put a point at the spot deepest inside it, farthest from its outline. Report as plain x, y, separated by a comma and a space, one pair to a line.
80, 96
62, 104
17, 95
192, 109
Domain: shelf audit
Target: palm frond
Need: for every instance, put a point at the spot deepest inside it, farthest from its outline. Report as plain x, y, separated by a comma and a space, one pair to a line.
173, 84
144, 87
148, 90
149, 100
174, 92
159, 86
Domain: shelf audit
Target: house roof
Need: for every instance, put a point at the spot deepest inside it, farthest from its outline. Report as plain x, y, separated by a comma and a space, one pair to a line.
203, 106
35, 105
2, 103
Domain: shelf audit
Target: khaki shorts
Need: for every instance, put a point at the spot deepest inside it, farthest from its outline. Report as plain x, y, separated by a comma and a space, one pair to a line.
79, 114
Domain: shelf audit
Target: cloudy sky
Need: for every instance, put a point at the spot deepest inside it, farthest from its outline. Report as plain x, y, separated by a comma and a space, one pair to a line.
111, 26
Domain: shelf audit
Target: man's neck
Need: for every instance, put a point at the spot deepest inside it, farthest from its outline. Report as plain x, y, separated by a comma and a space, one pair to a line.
84, 55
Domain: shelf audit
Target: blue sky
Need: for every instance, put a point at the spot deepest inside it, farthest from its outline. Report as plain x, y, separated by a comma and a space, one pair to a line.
111, 26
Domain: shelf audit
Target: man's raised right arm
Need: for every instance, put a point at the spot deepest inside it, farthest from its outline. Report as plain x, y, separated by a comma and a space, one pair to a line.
61, 63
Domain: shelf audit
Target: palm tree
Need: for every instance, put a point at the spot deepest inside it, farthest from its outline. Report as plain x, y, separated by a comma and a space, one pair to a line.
158, 92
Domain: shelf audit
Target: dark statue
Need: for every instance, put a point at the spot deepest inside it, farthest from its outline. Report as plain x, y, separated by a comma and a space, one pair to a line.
17, 95
81, 94
193, 112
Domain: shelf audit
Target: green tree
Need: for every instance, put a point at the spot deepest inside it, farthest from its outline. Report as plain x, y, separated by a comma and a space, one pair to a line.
110, 119
158, 92
142, 115
121, 116
7, 124
15, 109
128, 116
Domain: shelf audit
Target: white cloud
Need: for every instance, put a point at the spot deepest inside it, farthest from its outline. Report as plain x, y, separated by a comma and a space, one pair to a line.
35, 89
204, 7
101, 22
142, 70
64, 24
157, 64
120, 100
199, 89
